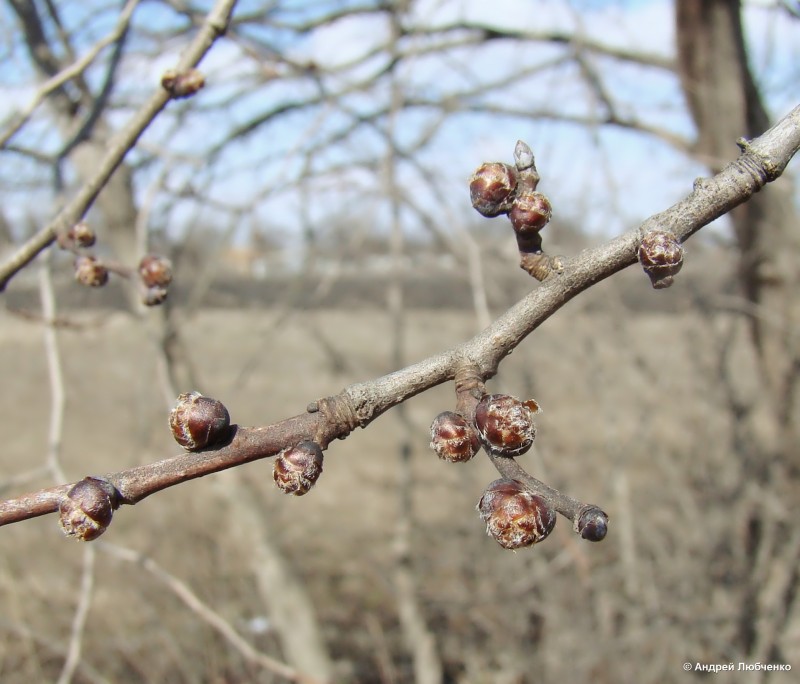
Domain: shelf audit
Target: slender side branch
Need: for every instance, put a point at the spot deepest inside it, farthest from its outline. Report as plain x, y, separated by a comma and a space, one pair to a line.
762, 161
70, 72
214, 26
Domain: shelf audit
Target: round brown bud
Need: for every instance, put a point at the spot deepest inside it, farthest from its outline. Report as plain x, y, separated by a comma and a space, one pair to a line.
89, 271
153, 296
81, 235
182, 83
155, 271
85, 511
592, 524
661, 257
491, 188
453, 438
505, 424
514, 516
530, 212
298, 468
198, 422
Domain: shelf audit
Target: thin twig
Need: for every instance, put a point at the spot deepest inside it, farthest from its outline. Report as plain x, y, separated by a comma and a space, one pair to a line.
70, 72
335, 417
54, 437
213, 28
207, 614
79, 619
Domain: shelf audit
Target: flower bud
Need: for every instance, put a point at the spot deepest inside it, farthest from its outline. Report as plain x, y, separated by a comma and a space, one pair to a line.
453, 438
505, 424
530, 212
182, 84
155, 271
85, 511
89, 271
81, 235
198, 422
661, 257
523, 156
298, 468
491, 188
592, 524
153, 296
514, 516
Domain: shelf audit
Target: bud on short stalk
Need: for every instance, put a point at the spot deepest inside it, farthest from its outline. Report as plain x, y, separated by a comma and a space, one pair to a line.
453, 438
81, 235
505, 424
530, 212
89, 271
592, 524
86, 510
298, 468
155, 271
491, 188
153, 296
514, 516
198, 422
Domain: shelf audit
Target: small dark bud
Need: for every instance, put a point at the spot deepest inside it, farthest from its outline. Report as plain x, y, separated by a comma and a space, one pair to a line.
530, 212
453, 438
661, 257
514, 516
505, 424
182, 84
198, 422
155, 271
298, 468
592, 524
89, 271
153, 296
491, 188
81, 235
86, 510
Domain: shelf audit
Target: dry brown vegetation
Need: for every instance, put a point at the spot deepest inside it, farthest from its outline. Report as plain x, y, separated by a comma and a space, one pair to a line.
634, 417
313, 201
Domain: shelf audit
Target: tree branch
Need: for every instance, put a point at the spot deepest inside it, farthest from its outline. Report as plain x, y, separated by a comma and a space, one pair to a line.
214, 26
763, 160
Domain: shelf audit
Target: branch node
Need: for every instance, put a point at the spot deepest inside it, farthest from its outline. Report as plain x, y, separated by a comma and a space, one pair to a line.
339, 413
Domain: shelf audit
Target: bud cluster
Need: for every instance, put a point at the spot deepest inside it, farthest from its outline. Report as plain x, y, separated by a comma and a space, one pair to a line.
497, 188
516, 513
153, 274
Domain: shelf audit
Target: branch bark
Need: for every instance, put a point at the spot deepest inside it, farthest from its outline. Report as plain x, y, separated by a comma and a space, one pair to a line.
763, 160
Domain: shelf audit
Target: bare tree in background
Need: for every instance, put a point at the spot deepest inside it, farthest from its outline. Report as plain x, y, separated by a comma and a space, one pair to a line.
723, 97
279, 134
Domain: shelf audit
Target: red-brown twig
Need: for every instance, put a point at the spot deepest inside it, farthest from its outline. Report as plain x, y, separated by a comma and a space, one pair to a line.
762, 161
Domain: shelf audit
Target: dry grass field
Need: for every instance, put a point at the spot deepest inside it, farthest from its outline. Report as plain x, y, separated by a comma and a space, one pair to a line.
634, 420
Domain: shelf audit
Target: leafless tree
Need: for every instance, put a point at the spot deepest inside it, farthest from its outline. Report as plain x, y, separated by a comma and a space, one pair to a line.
361, 129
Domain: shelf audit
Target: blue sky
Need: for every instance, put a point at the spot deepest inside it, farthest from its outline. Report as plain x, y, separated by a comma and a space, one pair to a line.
603, 178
